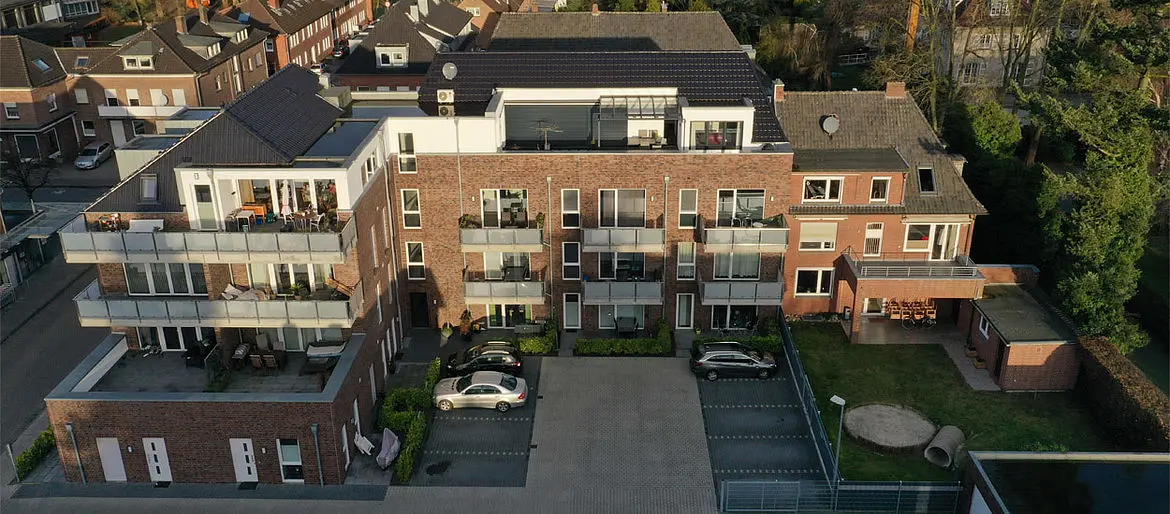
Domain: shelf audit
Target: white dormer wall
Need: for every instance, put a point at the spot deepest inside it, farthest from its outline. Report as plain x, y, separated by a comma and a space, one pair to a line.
745, 114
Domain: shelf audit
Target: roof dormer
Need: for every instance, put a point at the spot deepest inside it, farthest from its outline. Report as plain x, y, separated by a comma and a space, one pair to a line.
138, 56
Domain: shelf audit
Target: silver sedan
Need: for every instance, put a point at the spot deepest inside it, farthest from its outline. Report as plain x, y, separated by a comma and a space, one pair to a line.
483, 389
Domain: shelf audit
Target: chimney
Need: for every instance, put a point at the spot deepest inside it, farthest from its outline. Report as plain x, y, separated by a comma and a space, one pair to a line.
181, 24
777, 90
202, 13
414, 13
424, 8
895, 90
595, 10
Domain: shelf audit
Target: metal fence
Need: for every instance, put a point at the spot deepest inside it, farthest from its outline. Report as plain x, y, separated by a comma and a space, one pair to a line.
819, 496
808, 401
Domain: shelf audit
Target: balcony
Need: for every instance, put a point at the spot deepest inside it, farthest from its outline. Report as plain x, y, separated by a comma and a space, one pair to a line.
326, 309
769, 235
742, 293
638, 240
263, 245
622, 293
911, 265
510, 240
512, 286
139, 111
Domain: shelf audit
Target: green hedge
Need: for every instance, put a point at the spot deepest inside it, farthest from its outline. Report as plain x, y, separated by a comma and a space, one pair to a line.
416, 435
27, 461
658, 346
771, 344
1133, 411
407, 399
434, 373
538, 345
399, 422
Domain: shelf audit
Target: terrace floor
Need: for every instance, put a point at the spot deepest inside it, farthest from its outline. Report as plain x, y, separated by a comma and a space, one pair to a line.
168, 373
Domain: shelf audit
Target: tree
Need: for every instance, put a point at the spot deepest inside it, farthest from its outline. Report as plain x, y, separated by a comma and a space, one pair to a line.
653, 6
25, 174
698, 5
796, 53
626, 6
994, 131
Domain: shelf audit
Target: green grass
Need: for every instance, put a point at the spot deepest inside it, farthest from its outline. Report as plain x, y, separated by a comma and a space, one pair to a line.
1155, 266
923, 378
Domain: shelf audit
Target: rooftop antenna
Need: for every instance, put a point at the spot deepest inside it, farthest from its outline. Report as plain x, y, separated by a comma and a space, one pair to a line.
544, 127
830, 124
450, 70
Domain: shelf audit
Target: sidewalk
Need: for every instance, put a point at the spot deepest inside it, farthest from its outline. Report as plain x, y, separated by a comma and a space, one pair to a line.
22, 443
43, 286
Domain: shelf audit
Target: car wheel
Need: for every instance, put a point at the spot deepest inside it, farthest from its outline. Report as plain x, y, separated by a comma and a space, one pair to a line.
712, 375
445, 405
764, 374
503, 406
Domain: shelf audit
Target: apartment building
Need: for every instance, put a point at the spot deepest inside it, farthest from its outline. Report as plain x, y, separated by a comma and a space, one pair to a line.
39, 120
400, 47
245, 279
199, 59
994, 39
52, 22
303, 32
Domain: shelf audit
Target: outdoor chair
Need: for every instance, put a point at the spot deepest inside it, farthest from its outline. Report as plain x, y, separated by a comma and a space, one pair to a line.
257, 363
270, 362
316, 224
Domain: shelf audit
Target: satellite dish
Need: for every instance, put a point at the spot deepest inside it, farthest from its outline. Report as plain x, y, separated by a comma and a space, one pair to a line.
830, 124
450, 70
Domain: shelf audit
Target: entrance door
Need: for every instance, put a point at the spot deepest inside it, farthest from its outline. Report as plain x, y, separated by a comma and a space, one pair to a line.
156, 459
119, 132
110, 454
944, 243
244, 459
572, 311
420, 310
686, 307
204, 208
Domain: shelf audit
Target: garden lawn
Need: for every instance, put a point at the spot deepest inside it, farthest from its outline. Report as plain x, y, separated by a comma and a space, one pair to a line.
923, 378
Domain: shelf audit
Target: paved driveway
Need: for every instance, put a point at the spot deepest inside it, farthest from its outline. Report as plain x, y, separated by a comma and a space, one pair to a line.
481, 447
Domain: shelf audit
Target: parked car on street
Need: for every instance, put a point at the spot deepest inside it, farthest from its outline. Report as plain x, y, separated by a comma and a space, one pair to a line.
93, 155
482, 389
730, 359
341, 49
317, 68
491, 356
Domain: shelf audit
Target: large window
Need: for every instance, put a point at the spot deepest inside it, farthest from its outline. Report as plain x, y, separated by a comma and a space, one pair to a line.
708, 135
737, 266
879, 190
984, 326
608, 314
971, 72
174, 338
571, 260
407, 163
621, 266
411, 210
926, 180
291, 469
570, 208
686, 261
822, 189
504, 208
733, 316
814, 281
740, 207
623, 208
818, 236
941, 239
11, 111
688, 208
165, 279
415, 265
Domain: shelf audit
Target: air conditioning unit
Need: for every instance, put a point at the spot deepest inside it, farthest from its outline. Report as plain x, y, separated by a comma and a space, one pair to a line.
446, 96
446, 110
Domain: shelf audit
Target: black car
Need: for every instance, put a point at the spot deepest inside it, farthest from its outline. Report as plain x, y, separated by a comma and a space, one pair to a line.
341, 50
493, 356
730, 359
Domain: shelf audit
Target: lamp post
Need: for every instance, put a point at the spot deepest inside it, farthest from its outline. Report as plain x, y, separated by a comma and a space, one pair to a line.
840, 402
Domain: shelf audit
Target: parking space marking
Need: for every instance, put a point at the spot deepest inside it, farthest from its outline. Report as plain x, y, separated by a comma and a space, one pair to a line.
753, 406
766, 471
478, 418
775, 378
474, 453
746, 437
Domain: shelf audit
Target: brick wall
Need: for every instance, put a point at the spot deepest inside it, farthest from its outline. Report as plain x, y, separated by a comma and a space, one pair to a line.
1042, 367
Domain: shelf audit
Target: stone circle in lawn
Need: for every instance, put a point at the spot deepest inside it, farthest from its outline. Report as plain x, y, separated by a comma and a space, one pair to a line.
892, 428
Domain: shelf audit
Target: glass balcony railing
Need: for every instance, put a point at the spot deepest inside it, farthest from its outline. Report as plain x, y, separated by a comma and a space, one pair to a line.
743, 293
644, 240
622, 293
476, 240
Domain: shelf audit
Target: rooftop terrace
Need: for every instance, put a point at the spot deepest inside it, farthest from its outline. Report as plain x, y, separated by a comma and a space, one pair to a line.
168, 373
341, 140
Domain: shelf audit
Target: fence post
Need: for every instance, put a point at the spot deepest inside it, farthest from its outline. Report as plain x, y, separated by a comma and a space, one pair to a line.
898, 506
12, 459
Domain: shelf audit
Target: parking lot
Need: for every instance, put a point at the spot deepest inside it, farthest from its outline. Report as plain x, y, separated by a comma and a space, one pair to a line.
757, 430
481, 447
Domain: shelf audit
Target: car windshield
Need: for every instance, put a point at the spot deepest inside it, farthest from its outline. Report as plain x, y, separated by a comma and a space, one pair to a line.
463, 383
89, 152
509, 382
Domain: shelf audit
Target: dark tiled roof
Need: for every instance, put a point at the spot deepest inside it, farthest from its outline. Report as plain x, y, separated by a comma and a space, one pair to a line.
291, 16
704, 78
18, 69
871, 120
270, 124
446, 17
611, 31
95, 54
396, 28
856, 159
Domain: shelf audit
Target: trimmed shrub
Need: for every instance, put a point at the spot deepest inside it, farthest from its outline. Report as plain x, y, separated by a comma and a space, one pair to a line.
407, 399
771, 344
404, 466
538, 345
399, 422
416, 435
434, 373
1131, 409
42, 446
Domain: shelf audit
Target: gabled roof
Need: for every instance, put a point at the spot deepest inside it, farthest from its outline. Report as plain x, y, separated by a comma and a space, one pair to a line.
446, 17
704, 78
22, 60
870, 119
271, 124
396, 28
611, 31
291, 16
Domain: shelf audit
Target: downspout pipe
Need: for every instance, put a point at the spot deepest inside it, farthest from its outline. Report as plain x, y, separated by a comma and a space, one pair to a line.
76, 450
317, 448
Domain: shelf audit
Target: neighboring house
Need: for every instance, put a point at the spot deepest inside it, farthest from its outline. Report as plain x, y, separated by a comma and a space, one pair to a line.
53, 22
193, 413
610, 31
39, 119
486, 13
992, 41
550, 5
303, 32
198, 59
399, 49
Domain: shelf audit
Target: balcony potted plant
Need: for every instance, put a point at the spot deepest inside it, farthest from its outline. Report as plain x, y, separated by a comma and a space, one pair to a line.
298, 291
446, 331
540, 220
469, 221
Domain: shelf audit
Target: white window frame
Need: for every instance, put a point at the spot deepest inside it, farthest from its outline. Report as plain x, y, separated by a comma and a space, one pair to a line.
11, 111
498, 194
684, 211
873, 182
416, 212
984, 41
374, 245
144, 180
602, 319
421, 263
970, 73
677, 303
820, 281
736, 194
575, 210
933, 180
828, 189
162, 336
134, 124
935, 229
984, 326
686, 265
51, 99
91, 131
822, 245
616, 192
283, 463
406, 159
474, 11
731, 265
81, 95
565, 264
998, 8
880, 228
727, 316
154, 290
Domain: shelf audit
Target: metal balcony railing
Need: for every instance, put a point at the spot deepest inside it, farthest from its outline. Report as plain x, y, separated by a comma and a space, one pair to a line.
910, 265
